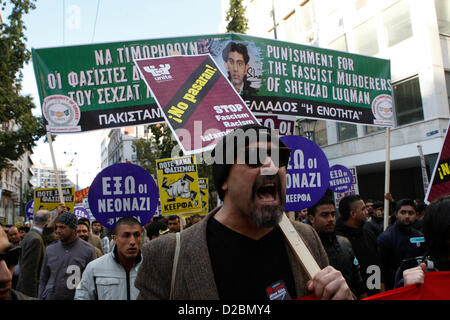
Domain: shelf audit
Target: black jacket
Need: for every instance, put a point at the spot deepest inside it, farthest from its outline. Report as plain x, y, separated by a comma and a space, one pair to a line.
341, 257
395, 245
365, 247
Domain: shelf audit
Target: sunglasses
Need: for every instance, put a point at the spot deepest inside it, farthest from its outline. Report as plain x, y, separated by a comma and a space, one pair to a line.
255, 157
11, 257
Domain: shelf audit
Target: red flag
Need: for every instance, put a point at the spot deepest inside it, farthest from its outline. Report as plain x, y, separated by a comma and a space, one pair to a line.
436, 286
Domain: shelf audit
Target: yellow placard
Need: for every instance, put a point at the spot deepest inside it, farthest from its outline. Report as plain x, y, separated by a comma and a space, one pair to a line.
178, 185
18, 221
204, 194
48, 198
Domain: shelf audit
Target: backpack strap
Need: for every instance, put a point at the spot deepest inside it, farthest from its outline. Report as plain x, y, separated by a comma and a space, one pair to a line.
175, 263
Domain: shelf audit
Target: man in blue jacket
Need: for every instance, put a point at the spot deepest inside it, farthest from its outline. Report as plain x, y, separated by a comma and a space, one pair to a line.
400, 242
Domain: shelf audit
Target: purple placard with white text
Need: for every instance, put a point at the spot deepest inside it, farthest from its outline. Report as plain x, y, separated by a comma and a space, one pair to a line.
307, 174
81, 212
340, 178
29, 210
120, 190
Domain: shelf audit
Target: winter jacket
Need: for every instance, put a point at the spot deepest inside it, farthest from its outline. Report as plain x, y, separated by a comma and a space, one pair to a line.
62, 268
365, 247
106, 279
396, 244
341, 257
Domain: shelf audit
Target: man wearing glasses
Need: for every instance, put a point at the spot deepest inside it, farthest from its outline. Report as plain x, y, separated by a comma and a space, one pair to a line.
238, 251
9, 257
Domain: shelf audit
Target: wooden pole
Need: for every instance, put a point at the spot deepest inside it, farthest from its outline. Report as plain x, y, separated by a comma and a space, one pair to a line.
58, 183
387, 177
301, 251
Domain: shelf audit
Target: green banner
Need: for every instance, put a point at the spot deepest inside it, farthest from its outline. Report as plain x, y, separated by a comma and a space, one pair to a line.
98, 86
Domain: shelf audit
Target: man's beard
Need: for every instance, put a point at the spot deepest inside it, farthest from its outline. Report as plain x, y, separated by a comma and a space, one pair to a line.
270, 215
85, 238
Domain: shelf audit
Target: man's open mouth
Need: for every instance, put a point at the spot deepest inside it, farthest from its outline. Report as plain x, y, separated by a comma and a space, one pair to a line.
267, 192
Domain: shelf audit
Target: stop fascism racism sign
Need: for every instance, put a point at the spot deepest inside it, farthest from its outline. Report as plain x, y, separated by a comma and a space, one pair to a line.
198, 102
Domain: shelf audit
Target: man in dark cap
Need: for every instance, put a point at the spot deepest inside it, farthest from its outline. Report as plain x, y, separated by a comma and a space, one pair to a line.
238, 251
64, 261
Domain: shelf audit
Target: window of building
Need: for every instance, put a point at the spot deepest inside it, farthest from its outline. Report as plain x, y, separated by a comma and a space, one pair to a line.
339, 44
408, 101
307, 16
346, 131
366, 40
443, 16
291, 27
397, 23
320, 133
372, 129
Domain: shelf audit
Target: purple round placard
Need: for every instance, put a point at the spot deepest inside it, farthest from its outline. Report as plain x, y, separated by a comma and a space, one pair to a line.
307, 175
121, 190
81, 212
29, 210
341, 178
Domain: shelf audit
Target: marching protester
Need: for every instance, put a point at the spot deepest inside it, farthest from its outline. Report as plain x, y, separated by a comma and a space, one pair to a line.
231, 247
112, 276
376, 220
83, 234
97, 229
92, 238
322, 216
33, 251
174, 223
400, 241
436, 230
64, 261
352, 217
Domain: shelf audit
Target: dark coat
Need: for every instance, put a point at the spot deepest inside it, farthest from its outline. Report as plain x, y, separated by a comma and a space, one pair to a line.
195, 277
33, 250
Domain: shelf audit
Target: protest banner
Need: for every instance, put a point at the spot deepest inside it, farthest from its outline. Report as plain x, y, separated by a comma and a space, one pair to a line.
123, 190
18, 221
198, 102
283, 126
178, 185
49, 198
354, 189
307, 174
95, 86
204, 194
29, 210
440, 179
341, 178
81, 194
81, 212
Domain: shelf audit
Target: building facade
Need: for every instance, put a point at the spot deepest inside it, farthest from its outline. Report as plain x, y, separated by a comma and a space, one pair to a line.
44, 177
415, 36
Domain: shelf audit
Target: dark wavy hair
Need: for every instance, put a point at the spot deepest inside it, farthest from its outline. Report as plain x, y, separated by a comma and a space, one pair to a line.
235, 47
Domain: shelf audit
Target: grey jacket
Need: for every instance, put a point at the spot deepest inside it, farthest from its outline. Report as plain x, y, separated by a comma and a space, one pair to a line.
63, 267
194, 278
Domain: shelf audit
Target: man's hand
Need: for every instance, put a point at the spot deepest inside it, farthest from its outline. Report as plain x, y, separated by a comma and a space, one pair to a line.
414, 275
328, 284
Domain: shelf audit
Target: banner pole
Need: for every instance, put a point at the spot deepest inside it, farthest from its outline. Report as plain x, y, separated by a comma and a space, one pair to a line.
58, 183
387, 177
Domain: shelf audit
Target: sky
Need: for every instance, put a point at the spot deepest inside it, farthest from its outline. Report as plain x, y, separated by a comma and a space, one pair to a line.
56, 23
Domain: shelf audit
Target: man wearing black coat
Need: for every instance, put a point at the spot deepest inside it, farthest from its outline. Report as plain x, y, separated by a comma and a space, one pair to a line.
353, 215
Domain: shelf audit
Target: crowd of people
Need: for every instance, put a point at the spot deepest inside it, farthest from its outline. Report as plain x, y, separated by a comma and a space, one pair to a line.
234, 252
